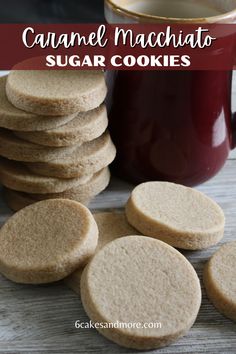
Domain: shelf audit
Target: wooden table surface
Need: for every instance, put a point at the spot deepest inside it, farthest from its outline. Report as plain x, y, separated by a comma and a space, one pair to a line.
40, 319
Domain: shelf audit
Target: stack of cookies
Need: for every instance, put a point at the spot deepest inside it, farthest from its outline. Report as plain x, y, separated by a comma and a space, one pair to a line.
54, 141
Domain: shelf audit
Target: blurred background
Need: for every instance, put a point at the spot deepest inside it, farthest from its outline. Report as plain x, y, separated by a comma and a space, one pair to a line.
51, 11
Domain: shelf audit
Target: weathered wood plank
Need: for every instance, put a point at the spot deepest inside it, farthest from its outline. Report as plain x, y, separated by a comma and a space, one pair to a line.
40, 319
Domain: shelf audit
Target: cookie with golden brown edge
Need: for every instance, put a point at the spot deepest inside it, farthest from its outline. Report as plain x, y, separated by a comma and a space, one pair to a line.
47, 241
177, 215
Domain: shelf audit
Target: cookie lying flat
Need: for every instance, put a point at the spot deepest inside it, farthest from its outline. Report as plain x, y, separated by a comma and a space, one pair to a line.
86, 191
220, 280
137, 279
111, 225
16, 176
19, 200
15, 119
56, 92
180, 216
89, 158
47, 241
85, 127
83, 193
17, 149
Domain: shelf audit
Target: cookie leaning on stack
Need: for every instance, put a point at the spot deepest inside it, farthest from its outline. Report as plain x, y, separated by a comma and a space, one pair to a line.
54, 141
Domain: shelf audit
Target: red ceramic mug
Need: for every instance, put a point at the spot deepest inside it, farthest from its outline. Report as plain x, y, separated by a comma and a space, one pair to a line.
172, 126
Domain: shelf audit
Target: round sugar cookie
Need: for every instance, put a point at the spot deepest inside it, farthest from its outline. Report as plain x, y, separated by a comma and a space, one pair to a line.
19, 200
219, 278
89, 158
56, 92
86, 126
111, 225
17, 149
82, 194
16, 176
47, 241
93, 186
145, 282
180, 216
16, 119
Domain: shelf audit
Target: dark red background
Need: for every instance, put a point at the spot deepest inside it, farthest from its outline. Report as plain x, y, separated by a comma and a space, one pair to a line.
221, 56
